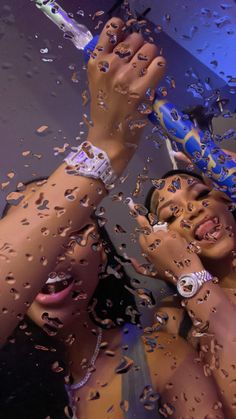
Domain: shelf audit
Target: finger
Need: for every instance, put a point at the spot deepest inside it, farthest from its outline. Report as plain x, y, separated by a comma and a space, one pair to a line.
111, 35
141, 269
143, 58
153, 75
178, 155
126, 49
230, 152
141, 219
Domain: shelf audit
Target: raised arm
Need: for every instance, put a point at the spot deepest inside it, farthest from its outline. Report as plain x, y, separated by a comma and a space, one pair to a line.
212, 312
31, 238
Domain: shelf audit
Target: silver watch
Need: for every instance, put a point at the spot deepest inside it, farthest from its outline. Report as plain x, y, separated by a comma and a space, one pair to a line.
90, 161
189, 284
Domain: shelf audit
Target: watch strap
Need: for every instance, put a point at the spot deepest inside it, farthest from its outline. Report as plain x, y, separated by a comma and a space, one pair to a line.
188, 285
90, 161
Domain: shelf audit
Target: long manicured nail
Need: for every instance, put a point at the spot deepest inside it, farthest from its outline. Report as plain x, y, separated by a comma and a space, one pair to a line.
160, 226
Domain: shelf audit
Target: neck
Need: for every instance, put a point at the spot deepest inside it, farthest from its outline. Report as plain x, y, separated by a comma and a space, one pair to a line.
82, 346
85, 334
225, 271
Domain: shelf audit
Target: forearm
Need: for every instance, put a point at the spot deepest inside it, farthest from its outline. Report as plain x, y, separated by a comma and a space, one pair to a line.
33, 236
214, 316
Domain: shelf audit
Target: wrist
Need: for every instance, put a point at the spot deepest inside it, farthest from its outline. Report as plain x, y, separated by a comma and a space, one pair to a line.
118, 153
190, 284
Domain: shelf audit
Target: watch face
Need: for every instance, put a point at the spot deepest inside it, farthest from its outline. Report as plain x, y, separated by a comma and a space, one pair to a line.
187, 286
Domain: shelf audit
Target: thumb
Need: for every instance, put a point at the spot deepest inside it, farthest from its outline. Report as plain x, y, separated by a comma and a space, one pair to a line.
141, 268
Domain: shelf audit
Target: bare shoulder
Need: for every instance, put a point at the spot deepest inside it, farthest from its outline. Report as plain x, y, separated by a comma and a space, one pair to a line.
165, 352
178, 375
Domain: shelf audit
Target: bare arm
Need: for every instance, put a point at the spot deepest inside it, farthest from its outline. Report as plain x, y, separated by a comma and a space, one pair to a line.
178, 377
32, 238
29, 249
211, 310
216, 316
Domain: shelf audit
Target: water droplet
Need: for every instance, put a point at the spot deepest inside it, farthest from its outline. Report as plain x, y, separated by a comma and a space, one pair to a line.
146, 296
124, 405
80, 12
14, 198
16, 294
119, 229
137, 124
45, 231
85, 97
112, 36
158, 183
103, 66
98, 13
56, 367
140, 209
145, 109
44, 261
93, 395
10, 279
84, 201
125, 365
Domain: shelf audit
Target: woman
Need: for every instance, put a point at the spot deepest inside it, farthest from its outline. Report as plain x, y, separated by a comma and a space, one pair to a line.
37, 362
201, 237
73, 334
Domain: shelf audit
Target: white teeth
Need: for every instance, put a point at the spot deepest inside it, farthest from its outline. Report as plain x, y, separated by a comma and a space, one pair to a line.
57, 279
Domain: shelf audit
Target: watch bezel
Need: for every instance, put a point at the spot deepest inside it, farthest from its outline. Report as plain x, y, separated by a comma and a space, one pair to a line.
195, 287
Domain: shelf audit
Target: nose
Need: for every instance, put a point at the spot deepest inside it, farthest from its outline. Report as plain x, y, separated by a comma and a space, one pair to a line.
193, 209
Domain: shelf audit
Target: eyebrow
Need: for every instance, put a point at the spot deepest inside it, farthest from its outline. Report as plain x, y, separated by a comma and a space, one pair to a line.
189, 187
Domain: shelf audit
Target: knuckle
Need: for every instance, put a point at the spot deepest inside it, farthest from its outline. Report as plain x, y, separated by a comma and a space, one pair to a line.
115, 23
121, 77
137, 37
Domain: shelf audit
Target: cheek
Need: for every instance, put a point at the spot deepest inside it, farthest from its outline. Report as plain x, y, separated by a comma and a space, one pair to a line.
183, 227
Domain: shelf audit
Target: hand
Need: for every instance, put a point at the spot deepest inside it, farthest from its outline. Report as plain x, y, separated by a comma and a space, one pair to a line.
120, 71
168, 251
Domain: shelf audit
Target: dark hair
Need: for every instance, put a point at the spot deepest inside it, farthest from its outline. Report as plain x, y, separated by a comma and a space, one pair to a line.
112, 303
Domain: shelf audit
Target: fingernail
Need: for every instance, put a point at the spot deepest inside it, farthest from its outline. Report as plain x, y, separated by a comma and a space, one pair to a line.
160, 226
130, 203
176, 154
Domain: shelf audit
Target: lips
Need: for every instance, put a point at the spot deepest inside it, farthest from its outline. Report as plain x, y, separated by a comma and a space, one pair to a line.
206, 228
56, 289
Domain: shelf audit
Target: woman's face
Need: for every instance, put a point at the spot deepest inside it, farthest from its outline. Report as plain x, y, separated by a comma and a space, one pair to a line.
70, 286
198, 213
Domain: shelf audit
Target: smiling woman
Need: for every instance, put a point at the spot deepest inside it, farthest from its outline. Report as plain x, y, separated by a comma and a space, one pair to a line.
197, 211
201, 239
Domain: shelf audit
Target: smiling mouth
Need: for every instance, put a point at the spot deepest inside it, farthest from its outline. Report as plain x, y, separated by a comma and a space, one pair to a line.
209, 230
56, 284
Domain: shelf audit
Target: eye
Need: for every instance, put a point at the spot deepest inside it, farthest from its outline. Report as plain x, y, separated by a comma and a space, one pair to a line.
203, 193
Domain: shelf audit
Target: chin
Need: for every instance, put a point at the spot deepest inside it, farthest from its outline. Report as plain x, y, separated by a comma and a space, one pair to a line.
219, 250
